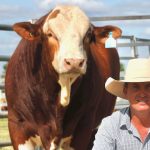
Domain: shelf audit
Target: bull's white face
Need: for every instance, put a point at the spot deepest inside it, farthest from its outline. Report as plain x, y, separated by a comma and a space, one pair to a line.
69, 25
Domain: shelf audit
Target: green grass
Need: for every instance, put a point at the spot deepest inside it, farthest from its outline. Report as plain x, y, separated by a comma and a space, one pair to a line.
4, 133
4, 136
7, 148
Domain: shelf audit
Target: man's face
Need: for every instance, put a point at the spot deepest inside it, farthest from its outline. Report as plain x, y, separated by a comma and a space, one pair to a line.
138, 95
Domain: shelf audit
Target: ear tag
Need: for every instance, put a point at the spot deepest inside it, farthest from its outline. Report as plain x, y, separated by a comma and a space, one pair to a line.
110, 42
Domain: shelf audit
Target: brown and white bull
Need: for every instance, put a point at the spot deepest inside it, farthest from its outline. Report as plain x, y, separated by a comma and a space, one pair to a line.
55, 81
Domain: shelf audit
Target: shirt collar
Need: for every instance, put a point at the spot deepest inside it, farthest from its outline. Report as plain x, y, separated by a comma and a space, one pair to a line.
125, 123
125, 118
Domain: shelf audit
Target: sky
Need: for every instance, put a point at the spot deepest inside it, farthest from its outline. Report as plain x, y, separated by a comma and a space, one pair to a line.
12, 11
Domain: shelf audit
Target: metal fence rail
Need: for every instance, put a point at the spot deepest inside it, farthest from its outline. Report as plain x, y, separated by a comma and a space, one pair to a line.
112, 18
4, 58
5, 144
5, 27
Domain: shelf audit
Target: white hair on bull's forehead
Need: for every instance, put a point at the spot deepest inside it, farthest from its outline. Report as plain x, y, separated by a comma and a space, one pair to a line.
70, 19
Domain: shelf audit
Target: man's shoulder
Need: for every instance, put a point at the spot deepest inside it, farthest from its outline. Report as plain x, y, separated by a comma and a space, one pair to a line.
116, 116
120, 112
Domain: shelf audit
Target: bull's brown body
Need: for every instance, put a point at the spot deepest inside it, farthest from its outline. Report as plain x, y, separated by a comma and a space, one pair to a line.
33, 91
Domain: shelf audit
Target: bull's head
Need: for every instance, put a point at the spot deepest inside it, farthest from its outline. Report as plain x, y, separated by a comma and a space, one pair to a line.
65, 29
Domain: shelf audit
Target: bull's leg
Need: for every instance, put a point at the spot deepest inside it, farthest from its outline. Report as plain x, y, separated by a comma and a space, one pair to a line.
61, 144
28, 145
20, 139
53, 146
65, 143
83, 133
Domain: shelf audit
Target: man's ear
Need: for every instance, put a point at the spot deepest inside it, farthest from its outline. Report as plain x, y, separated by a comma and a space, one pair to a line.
27, 30
125, 90
101, 33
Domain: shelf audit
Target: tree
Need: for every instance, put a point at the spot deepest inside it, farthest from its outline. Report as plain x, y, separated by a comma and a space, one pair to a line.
122, 67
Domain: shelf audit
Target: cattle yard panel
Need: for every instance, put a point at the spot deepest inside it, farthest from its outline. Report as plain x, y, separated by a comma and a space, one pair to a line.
5, 143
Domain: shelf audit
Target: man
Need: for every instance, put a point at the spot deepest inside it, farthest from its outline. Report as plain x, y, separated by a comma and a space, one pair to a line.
129, 128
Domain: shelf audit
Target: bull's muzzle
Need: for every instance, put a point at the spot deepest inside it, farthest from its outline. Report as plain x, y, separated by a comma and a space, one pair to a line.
74, 65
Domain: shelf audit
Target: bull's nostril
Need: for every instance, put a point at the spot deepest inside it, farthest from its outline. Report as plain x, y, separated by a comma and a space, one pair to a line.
81, 63
67, 62
74, 63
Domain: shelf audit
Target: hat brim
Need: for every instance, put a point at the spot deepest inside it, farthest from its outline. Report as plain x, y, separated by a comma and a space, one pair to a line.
115, 87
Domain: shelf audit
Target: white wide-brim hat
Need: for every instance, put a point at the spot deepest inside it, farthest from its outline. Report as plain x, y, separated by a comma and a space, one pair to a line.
138, 70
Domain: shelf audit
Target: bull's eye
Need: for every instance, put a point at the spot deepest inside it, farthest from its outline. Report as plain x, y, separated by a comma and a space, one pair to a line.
49, 35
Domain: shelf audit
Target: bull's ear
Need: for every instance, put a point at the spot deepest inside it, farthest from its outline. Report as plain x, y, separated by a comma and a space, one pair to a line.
101, 33
27, 30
